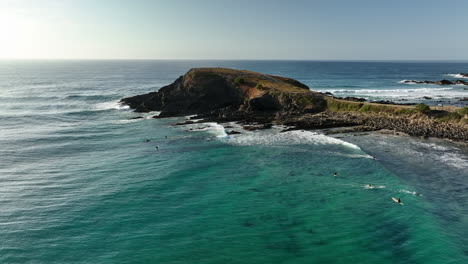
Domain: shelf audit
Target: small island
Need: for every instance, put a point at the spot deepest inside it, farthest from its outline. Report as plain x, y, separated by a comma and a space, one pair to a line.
259, 101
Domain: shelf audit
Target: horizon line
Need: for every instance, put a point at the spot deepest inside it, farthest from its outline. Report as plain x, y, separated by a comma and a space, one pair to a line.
304, 60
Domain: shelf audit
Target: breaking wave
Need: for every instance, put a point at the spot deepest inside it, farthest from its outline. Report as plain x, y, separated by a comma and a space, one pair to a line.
456, 75
111, 105
294, 137
415, 93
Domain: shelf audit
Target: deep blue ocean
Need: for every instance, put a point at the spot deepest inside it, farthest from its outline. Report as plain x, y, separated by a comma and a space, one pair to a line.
81, 183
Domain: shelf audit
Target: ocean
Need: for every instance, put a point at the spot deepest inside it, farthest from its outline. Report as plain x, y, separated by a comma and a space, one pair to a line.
82, 182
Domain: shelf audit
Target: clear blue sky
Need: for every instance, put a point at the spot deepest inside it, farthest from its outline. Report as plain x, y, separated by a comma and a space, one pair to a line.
240, 29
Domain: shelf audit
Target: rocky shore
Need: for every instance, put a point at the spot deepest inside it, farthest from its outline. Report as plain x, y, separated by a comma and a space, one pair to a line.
257, 101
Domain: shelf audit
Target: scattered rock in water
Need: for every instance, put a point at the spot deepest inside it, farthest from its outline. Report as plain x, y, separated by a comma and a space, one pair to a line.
441, 82
233, 132
188, 122
253, 127
136, 117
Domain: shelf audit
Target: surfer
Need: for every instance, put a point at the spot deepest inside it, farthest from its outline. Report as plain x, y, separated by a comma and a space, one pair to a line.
374, 157
157, 147
147, 140
335, 174
370, 185
398, 201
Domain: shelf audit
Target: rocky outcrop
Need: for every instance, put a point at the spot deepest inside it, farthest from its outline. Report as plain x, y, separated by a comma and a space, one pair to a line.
203, 90
441, 82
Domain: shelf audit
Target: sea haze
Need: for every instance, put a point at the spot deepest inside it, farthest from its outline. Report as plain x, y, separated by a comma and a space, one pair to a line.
83, 182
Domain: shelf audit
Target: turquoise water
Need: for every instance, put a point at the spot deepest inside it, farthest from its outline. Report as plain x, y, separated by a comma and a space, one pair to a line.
80, 184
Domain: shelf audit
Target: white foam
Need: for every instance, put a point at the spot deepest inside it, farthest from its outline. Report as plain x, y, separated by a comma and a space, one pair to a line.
126, 121
456, 75
356, 156
407, 82
295, 137
410, 192
151, 114
432, 146
373, 187
111, 105
213, 128
413, 93
454, 160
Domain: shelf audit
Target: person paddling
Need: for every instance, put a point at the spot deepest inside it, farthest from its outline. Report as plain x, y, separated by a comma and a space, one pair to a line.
335, 174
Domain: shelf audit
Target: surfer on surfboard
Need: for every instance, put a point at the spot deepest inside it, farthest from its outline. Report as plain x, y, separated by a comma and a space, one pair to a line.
398, 201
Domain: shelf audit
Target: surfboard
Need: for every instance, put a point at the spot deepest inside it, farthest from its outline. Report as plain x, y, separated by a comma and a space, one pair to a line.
396, 200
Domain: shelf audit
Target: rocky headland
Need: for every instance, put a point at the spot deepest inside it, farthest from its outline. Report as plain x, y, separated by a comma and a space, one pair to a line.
258, 101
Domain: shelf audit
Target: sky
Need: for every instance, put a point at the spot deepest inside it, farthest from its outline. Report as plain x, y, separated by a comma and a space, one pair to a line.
238, 29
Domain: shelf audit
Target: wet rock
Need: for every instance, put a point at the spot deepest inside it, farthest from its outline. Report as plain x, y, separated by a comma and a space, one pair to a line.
252, 127
354, 99
461, 82
233, 132
441, 82
187, 122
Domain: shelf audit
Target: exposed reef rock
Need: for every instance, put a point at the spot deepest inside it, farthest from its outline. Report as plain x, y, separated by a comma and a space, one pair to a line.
258, 101
441, 82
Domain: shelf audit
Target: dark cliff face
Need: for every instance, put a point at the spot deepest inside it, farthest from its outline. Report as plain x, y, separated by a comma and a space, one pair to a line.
206, 89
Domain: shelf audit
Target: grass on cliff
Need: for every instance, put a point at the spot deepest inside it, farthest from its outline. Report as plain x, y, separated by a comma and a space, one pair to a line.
341, 105
453, 115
